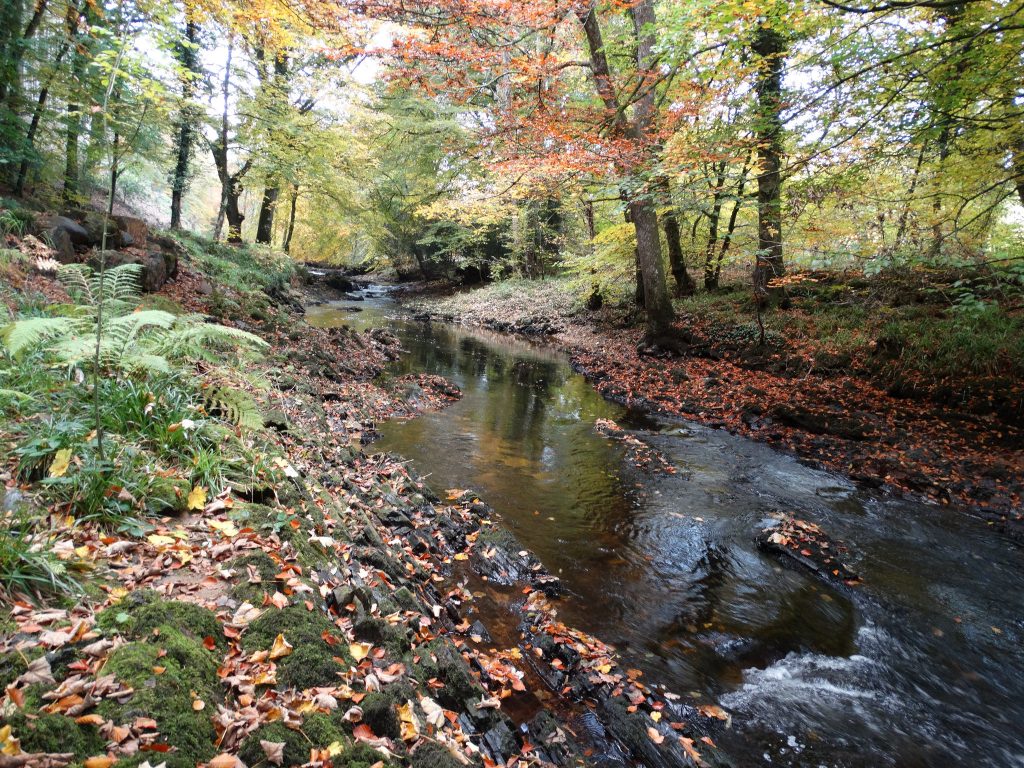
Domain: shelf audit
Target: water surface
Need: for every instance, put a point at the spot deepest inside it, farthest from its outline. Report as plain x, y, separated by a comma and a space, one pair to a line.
921, 666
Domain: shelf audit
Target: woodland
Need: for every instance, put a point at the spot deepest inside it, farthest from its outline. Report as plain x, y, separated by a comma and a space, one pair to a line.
796, 222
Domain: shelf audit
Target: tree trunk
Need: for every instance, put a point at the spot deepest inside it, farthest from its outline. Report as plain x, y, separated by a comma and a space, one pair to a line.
648, 251
1018, 169
189, 59
265, 224
770, 47
233, 212
676, 260
37, 116
291, 219
73, 127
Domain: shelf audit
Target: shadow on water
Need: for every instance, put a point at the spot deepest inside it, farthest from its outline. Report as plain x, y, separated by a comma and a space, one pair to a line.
922, 666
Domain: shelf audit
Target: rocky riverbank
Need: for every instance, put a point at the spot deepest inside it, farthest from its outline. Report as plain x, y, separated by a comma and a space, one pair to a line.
318, 613
836, 418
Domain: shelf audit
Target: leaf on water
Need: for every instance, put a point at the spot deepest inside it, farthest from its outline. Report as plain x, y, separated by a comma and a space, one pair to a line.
655, 734
61, 462
281, 648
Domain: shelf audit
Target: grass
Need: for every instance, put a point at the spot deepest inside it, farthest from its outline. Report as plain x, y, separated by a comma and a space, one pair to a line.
240, 267
28, 564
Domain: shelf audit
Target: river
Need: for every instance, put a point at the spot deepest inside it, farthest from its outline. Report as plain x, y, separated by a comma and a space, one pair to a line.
922, 665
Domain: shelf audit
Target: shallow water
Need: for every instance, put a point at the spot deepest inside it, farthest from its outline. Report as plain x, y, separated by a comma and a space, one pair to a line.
921, 666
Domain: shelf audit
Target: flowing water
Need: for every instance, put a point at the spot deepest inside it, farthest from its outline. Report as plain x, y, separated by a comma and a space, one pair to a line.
923, 665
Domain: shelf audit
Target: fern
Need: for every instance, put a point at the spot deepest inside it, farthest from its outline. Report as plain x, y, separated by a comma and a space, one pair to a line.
234, 405
31, 332
118, 288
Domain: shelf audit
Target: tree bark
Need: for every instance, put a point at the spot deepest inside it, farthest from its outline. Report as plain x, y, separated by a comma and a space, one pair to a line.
231, 183
265, 224
37, 116
291, 219
770, 48
189, 60
648, 251
73, 127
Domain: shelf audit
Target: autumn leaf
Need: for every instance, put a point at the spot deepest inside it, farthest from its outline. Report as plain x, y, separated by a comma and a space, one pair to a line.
61, 462
8, 744
655, 735
224, 760
280, 648
360, 651
100, 761
197, 498
274, 750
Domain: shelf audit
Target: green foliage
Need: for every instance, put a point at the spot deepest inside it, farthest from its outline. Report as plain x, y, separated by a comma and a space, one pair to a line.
28, 564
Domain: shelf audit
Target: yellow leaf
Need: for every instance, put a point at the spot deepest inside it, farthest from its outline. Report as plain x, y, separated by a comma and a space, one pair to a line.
335, 748
61, 462
158, 540
100, 761
197, 498
604, 669
359, 651
655, 716
462, 556
281, 648
225, 527
8, 744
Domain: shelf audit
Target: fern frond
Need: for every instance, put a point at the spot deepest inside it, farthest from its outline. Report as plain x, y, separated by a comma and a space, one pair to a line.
190, 336
141, 362
25, 334
234, 405
76, 282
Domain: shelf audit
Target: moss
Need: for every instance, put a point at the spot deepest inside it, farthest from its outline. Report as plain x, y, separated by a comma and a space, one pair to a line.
317, 731
380, 713
141, 612
312, 660
15, 663
431, 754
167, 697
267, 569
56, 733
360, 756
439, 660
394, 638
407, 601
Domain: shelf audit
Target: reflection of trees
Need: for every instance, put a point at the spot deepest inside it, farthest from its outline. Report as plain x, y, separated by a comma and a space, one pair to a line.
512, 403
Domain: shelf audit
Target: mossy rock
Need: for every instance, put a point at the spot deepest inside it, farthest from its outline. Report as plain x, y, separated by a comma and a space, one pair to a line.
312, 660
394, 638
267, 569
381, 714
431, 754
438, 659
317, 731
141, 612
167, 697
55, 733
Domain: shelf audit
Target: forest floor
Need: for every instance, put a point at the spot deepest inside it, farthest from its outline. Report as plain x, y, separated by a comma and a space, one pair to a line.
310, 609
878, 380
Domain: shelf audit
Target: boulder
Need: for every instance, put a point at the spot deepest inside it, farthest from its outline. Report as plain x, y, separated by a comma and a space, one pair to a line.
93, 222
49, 224
154, 265
339, 282
134, 231
171, 250
64, 249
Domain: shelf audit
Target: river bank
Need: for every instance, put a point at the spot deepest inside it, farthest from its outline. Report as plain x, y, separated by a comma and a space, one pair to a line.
830, 414
313, 614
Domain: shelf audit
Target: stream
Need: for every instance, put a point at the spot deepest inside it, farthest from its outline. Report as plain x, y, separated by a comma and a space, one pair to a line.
922, 665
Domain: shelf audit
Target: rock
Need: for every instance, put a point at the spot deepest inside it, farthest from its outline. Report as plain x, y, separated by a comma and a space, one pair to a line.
807, 545
205, 288
339, 282
849, 426
12, 499
93, 222
154, 265
63, 247
133, 230
276, 419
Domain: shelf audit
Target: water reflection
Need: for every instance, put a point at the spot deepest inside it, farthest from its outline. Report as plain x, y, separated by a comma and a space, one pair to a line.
921, 666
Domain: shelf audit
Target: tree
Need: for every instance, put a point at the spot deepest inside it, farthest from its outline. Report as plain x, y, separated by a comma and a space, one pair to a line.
187, 53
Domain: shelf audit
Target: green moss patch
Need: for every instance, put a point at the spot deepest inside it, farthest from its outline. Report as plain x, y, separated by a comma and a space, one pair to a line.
317, 732
141, 612
246, 591
431, 754
55, 733
312, 660
439, 660
188, 670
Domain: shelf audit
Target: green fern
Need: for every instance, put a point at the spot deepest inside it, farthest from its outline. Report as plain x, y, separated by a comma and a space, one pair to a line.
234, 405
130, 340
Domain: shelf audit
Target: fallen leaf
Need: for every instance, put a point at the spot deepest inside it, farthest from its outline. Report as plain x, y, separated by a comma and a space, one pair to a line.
274, 750
100, 761
61, 462
281, 648
360, 651
197, 500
